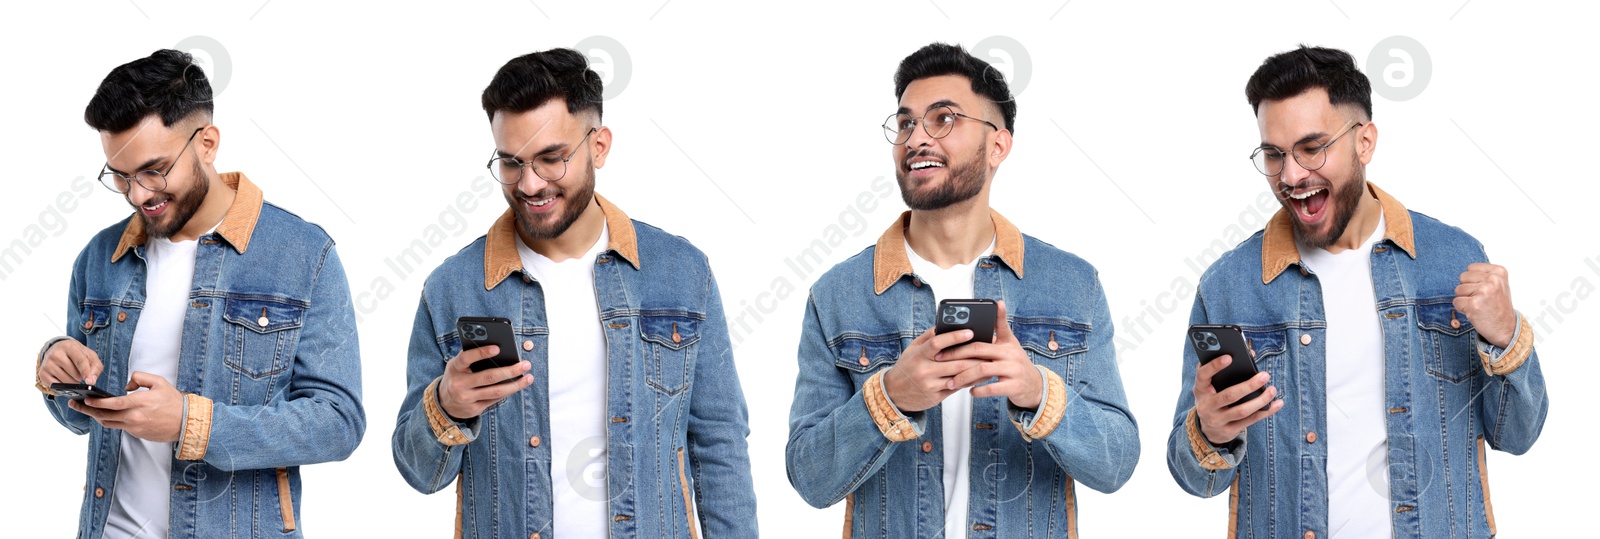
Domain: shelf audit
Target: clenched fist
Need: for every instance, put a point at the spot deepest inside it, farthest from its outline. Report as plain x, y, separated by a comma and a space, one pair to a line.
1484, 296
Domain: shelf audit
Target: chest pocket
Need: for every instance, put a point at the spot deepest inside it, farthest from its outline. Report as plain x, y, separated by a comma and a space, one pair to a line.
670, 338
1268, 345
261, 335
1048, 338
95, 318
1446, 338
863, 355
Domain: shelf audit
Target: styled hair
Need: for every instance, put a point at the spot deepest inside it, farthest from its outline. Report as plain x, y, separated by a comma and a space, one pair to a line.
166, 83
940, 59
531, 80
1292, 73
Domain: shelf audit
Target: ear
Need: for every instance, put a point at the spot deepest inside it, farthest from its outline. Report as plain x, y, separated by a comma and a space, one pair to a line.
1367, 141
999, 148
206, 144
602, 146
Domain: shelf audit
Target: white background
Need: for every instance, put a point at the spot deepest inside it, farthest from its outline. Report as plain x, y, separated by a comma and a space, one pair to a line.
749, 128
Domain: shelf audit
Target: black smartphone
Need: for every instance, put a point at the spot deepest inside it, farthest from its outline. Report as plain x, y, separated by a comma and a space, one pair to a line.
79, 392
477, 331
975, 314
1213, 341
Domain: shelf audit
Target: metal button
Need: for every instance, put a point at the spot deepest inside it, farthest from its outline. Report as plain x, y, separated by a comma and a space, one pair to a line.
864, 361
89, 324
676, 338
527, 345
534, 536
1305, 339
1052, 344
263, 320
534, 441
99, 492
1310, 534
122, 316
1311, 437
927, 447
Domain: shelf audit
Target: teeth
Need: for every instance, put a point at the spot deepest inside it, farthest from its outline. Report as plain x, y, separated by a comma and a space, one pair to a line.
919, 165
1305, 195
542, 202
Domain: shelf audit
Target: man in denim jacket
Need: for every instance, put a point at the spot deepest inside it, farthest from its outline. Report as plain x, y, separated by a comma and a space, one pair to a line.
623, 415
226, 319
1388, 348
983, 440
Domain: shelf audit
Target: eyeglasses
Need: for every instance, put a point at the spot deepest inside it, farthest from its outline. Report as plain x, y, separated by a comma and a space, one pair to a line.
1310, 155
151, 180
938, 123
550, 167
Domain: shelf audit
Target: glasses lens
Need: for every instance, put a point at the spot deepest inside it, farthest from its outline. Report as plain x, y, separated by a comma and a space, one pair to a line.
505, 170
1268, 161
550, 167
1311, 156
152, 180
939, 121
897, 128
114, 182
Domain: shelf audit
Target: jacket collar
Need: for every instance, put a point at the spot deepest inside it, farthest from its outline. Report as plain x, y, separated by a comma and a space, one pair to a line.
1278, 249
500, 256
890, 263
236, 227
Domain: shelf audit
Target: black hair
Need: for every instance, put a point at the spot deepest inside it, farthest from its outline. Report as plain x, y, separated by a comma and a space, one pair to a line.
166, 83
939, 59
531, 80
1292, 73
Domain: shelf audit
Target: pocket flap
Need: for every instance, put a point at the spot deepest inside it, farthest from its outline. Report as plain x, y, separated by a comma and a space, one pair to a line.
673, 330
878, 350
1051, 338
263, 315
94, 318
1440, 315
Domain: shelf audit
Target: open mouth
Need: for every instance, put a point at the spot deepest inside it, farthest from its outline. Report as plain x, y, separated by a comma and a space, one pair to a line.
925, 165
1310, 204
540, 205
155, 207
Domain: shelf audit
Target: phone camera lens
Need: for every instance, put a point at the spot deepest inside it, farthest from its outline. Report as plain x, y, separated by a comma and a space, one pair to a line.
949, 319
949, 309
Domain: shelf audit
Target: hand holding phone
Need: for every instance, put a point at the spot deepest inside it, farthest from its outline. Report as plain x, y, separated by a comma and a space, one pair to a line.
1229, 394
485, 372
69, 362
79, 392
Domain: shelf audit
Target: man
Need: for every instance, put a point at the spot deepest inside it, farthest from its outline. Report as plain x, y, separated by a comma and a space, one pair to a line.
1389, 349
226, 320
623, 415
982, 440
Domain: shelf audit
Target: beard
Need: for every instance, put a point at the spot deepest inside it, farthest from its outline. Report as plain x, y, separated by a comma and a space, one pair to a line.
184, 206
965, 181
1342, 201
541, 227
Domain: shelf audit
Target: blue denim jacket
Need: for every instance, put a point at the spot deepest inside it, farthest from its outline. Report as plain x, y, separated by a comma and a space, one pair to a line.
1449, 393
675, 447
848, 442
269, 367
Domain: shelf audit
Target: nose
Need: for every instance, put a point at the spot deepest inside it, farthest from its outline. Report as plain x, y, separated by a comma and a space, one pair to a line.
1293, 175
137, 193
530, 183
919, 135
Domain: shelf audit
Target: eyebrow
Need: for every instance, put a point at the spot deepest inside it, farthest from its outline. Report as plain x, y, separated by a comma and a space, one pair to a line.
1310, 137
553, 147
936, 104
148, 165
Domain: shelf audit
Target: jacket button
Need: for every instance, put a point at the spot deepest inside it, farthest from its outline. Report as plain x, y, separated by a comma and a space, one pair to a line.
99, 492
534, 441
89, 324
534, 536
1310, 534
1305, 339
122, 316
927, 447
864, 361
1311, 437
527, 345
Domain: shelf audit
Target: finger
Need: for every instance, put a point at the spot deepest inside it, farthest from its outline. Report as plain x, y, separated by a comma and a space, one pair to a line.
966, 378
1471, 289
923, 337
464, 360
1257, 416
493, 394
1001, 388
1203, 374
1002, 326
1464, 304
489, 377
973, 350
84, 367
146, 380
1471, 276
1244, 409
111, 403
52, 373
1237, 391
1486, 268
945, 340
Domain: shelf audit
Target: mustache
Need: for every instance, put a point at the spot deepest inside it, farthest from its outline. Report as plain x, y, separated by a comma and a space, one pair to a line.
1284, 189
541, 195
906, 163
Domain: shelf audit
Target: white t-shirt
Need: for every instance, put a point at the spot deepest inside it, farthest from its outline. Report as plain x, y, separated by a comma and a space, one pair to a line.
955, 414
1356, 409
140, 501
577, 381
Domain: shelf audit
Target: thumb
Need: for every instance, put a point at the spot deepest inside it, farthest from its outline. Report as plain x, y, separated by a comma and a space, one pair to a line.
144, 379
1002, 327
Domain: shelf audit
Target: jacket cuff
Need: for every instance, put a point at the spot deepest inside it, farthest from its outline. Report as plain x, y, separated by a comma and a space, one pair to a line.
894, 425
196, 430
1501, 362
37, 383
1204, 452
1052, 407
448, 432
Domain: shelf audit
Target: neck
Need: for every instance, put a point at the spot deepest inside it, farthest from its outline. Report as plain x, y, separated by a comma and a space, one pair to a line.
1362, 224
219, 197
576, 241
952, 235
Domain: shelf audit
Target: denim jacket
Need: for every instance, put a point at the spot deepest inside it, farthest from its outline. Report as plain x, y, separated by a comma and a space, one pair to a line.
675, 445
1449, 394
848, 442
269, 367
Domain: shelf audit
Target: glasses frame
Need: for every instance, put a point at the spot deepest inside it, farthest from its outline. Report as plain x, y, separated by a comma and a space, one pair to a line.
106, 171
1322, 151
520, 164
887, 133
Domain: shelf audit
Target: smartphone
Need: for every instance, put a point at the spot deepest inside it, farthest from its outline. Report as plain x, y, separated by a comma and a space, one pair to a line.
1213, 341
975, 314
476, 331
79, 392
